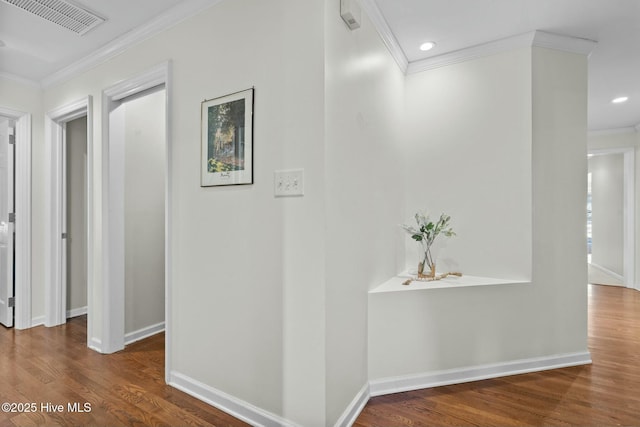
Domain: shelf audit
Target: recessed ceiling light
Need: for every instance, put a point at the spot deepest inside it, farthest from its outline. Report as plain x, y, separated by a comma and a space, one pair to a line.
620, 99
427, 46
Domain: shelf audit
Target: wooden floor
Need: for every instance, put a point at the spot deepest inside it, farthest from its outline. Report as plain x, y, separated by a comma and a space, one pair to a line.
606, 393
53, 365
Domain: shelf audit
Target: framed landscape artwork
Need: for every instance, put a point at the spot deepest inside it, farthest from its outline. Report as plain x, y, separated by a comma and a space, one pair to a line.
227, 140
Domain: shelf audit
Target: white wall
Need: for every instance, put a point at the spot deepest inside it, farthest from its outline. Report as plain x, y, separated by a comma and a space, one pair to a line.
76, 146
144, 204
364, 175
607, 183
269, 300
255, 264
462, 327
232, 287
300, 130
468, 154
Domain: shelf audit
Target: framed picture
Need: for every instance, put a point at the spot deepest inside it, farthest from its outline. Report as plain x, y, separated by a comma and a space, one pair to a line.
227, 140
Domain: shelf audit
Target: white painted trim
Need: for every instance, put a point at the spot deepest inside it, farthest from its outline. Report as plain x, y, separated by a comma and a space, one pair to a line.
91, 230
95, 344
473, 52
628, 277
37, 321
168, 237
388, 38
53, 293
113, 338
400, 384
75, 312
395, 284
22, 208
354, 409
608, 272
534, 38
252, 414
140, 334
606, 151
23, 224
166, 20
570, 44
613, 285
614, 131
19, 79
55, 289
156, 76
112, 247
629, 218
238, 408
70, 111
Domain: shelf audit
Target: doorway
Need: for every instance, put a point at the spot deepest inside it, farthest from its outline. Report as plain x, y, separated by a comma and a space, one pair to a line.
75, 216
140, 118
15, 286
7, 220
118, 101
611, 217
69, 133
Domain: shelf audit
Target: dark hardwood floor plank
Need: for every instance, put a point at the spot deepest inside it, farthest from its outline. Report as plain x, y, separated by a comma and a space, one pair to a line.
127, 388
54, 365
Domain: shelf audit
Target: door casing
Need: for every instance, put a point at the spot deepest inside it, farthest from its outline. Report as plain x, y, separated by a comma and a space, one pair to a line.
112, 241
629, 225
6, 283
22, 209
55, 246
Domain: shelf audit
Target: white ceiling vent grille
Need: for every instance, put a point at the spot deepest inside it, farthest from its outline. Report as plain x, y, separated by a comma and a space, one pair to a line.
61, 13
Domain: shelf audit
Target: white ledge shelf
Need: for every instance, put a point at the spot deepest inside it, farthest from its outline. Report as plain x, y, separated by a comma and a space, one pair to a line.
395, 284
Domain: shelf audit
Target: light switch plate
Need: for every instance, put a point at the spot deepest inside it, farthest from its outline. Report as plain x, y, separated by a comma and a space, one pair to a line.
289, 183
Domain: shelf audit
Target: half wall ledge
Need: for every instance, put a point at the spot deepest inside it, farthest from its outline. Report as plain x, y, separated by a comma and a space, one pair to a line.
395, 284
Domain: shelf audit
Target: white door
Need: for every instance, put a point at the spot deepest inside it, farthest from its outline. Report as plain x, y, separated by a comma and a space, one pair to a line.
6, 222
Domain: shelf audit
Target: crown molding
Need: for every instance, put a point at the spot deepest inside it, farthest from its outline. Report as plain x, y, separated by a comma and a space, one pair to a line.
563, 43
19, 79
388, 38
147, 80
533, 38
615, 131
164, 21
472, 52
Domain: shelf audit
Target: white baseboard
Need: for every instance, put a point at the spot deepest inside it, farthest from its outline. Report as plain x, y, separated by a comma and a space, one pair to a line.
259, 417
356, 406
143, 333
227, 403
37, 321
95, 344
76, 312
475, 373
606, 271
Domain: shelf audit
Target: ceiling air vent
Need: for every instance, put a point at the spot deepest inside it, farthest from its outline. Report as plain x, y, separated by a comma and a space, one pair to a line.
61, 13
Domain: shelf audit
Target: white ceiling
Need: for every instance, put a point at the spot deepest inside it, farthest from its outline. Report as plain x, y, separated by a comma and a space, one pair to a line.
35, 49
614, 64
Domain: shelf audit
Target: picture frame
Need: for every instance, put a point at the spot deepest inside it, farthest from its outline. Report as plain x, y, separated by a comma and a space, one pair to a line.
227, 140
